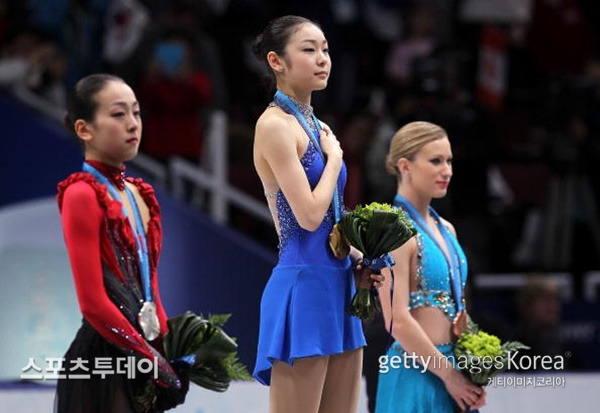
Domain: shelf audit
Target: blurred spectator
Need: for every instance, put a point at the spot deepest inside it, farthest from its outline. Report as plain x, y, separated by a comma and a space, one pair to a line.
33, 70
382, 17
518, 157
173, 95
419, 42
17, 58
401, 105
572, 237
539, 315
77, 26
194, 16
124, 27
355, 139
543, 138
523, 77
47, 78
489, 319
135, 27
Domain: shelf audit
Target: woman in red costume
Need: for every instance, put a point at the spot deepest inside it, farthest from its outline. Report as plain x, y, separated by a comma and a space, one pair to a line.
113, 234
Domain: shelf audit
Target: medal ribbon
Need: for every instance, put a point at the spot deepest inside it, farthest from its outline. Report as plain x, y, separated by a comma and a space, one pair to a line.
288, 105
452, 261
138, 228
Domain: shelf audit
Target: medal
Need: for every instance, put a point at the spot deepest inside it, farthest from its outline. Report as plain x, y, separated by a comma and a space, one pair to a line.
148, 320
459, 324
338, 243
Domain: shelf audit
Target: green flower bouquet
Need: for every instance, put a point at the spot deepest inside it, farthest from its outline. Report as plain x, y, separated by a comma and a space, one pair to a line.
375, 230
199, 350
482, 356
211, 353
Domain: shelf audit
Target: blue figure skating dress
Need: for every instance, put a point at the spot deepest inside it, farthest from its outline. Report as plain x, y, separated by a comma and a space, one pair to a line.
407, 389
303, 307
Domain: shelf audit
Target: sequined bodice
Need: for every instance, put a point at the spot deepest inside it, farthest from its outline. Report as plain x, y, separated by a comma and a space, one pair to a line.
298, 246
433, 274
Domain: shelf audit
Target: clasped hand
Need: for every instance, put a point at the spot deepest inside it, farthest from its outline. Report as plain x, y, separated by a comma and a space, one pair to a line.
365, 277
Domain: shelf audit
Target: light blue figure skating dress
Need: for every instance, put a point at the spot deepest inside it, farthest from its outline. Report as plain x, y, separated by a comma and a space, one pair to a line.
412, 390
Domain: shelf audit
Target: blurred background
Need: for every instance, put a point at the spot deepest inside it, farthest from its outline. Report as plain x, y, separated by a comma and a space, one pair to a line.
516, 83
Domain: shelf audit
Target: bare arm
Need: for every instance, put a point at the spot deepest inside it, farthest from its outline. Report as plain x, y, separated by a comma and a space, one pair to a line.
409, 333
405, 329
274, 144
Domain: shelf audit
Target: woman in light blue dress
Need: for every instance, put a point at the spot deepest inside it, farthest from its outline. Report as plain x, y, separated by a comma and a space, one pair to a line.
309, 349
426, 311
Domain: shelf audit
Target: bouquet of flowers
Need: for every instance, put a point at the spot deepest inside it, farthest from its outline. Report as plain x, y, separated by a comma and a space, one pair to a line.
375, 230
210, 353
482, 356
200, 350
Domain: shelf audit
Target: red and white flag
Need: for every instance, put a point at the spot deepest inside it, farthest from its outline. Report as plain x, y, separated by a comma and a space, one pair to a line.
493, 61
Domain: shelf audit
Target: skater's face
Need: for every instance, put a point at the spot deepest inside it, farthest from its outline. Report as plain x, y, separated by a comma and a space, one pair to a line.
430, 170
305, 64
113, 135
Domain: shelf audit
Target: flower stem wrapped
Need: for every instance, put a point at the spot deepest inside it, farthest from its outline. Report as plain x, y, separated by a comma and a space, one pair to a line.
375, 230
210, 353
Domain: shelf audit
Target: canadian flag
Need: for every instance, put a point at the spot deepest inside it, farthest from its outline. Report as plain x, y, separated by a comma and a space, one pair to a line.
491, 79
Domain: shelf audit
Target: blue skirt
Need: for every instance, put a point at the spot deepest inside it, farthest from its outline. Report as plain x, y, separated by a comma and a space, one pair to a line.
404, 388
303, 314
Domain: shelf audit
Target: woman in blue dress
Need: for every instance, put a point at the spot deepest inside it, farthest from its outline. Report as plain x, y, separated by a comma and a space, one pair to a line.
309, 350
426, 310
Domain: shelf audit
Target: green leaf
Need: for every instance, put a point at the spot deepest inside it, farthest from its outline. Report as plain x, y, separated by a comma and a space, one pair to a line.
218, 320
511, 346
216, 352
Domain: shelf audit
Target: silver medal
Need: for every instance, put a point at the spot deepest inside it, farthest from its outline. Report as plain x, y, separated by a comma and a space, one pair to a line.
149, 320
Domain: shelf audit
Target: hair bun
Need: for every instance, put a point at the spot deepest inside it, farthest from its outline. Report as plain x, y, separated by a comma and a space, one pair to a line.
257, 46
390, 166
